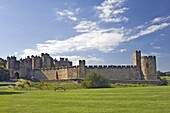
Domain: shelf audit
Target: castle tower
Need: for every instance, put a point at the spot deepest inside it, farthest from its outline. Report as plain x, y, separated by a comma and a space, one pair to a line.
36, 62
12, 65
149, 67
26, 67
47, 61
137, 62
11, 62
82, 70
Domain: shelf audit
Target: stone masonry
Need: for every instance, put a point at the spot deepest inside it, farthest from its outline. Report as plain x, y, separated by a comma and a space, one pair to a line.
44, 67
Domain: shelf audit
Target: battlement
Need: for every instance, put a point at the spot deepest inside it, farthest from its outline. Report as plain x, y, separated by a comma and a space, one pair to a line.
110, 66
45, 54
148, 57
57, 68
35, 56
12, 57
138, 51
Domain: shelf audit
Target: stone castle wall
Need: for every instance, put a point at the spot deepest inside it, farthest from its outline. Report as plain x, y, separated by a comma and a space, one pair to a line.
116, 72
56, 73
45, 68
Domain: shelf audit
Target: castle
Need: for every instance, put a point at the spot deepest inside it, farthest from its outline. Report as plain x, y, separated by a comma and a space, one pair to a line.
47, 68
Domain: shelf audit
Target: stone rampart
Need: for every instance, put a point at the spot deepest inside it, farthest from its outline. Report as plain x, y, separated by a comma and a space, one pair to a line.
56, 73
115, 72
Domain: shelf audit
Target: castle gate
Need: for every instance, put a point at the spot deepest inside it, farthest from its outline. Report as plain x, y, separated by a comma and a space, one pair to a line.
16, 75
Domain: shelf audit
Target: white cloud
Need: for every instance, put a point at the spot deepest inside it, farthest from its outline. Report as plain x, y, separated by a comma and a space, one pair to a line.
122, 50
86, 26
148, 30
160, 19
75, 59
15, 53
162, 34
155, 54
101, 40
66, 14
156, 20
157, 47
93, 36
111, 10
29, 52
153, 28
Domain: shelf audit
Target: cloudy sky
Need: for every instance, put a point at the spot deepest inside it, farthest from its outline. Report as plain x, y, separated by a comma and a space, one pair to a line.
99, 31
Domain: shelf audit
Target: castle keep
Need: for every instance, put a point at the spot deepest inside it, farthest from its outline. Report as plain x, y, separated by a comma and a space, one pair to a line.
47, 68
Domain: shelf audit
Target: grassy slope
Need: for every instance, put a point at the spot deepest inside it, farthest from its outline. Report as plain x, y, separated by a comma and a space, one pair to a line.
166, 77
118, 100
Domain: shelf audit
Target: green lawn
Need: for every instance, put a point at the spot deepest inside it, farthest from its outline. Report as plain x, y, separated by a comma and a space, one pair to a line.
110, 100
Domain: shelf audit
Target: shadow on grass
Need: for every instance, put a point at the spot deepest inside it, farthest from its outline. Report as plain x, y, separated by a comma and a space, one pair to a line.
10, 93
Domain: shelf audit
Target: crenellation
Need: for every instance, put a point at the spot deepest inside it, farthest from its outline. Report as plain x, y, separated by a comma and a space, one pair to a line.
105, 66
110, 66
100, 66
44, 67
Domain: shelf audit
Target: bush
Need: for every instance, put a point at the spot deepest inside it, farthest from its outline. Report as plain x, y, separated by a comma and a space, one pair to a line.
94, 80
23, 84
164, 81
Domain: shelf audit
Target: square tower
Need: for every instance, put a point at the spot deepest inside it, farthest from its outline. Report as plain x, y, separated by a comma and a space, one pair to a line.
137, 62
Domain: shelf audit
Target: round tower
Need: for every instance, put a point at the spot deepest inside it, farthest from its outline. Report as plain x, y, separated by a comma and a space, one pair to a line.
148, 66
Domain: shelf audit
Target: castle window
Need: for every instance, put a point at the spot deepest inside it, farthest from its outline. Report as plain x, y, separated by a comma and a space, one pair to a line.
147, 65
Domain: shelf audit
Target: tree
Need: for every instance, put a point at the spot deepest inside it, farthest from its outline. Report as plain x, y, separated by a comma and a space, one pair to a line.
94, 80
4, 74
159, 73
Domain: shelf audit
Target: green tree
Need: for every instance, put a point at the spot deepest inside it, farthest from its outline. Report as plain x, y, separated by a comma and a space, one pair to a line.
4, 74
159, 73
94, 80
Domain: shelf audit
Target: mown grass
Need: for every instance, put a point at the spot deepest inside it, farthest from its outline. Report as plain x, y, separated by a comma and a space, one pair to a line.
108, 100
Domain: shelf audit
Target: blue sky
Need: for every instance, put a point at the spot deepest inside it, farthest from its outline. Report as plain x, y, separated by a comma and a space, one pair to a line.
99, 31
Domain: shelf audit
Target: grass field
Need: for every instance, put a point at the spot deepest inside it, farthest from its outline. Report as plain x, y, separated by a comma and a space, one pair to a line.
109, 100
